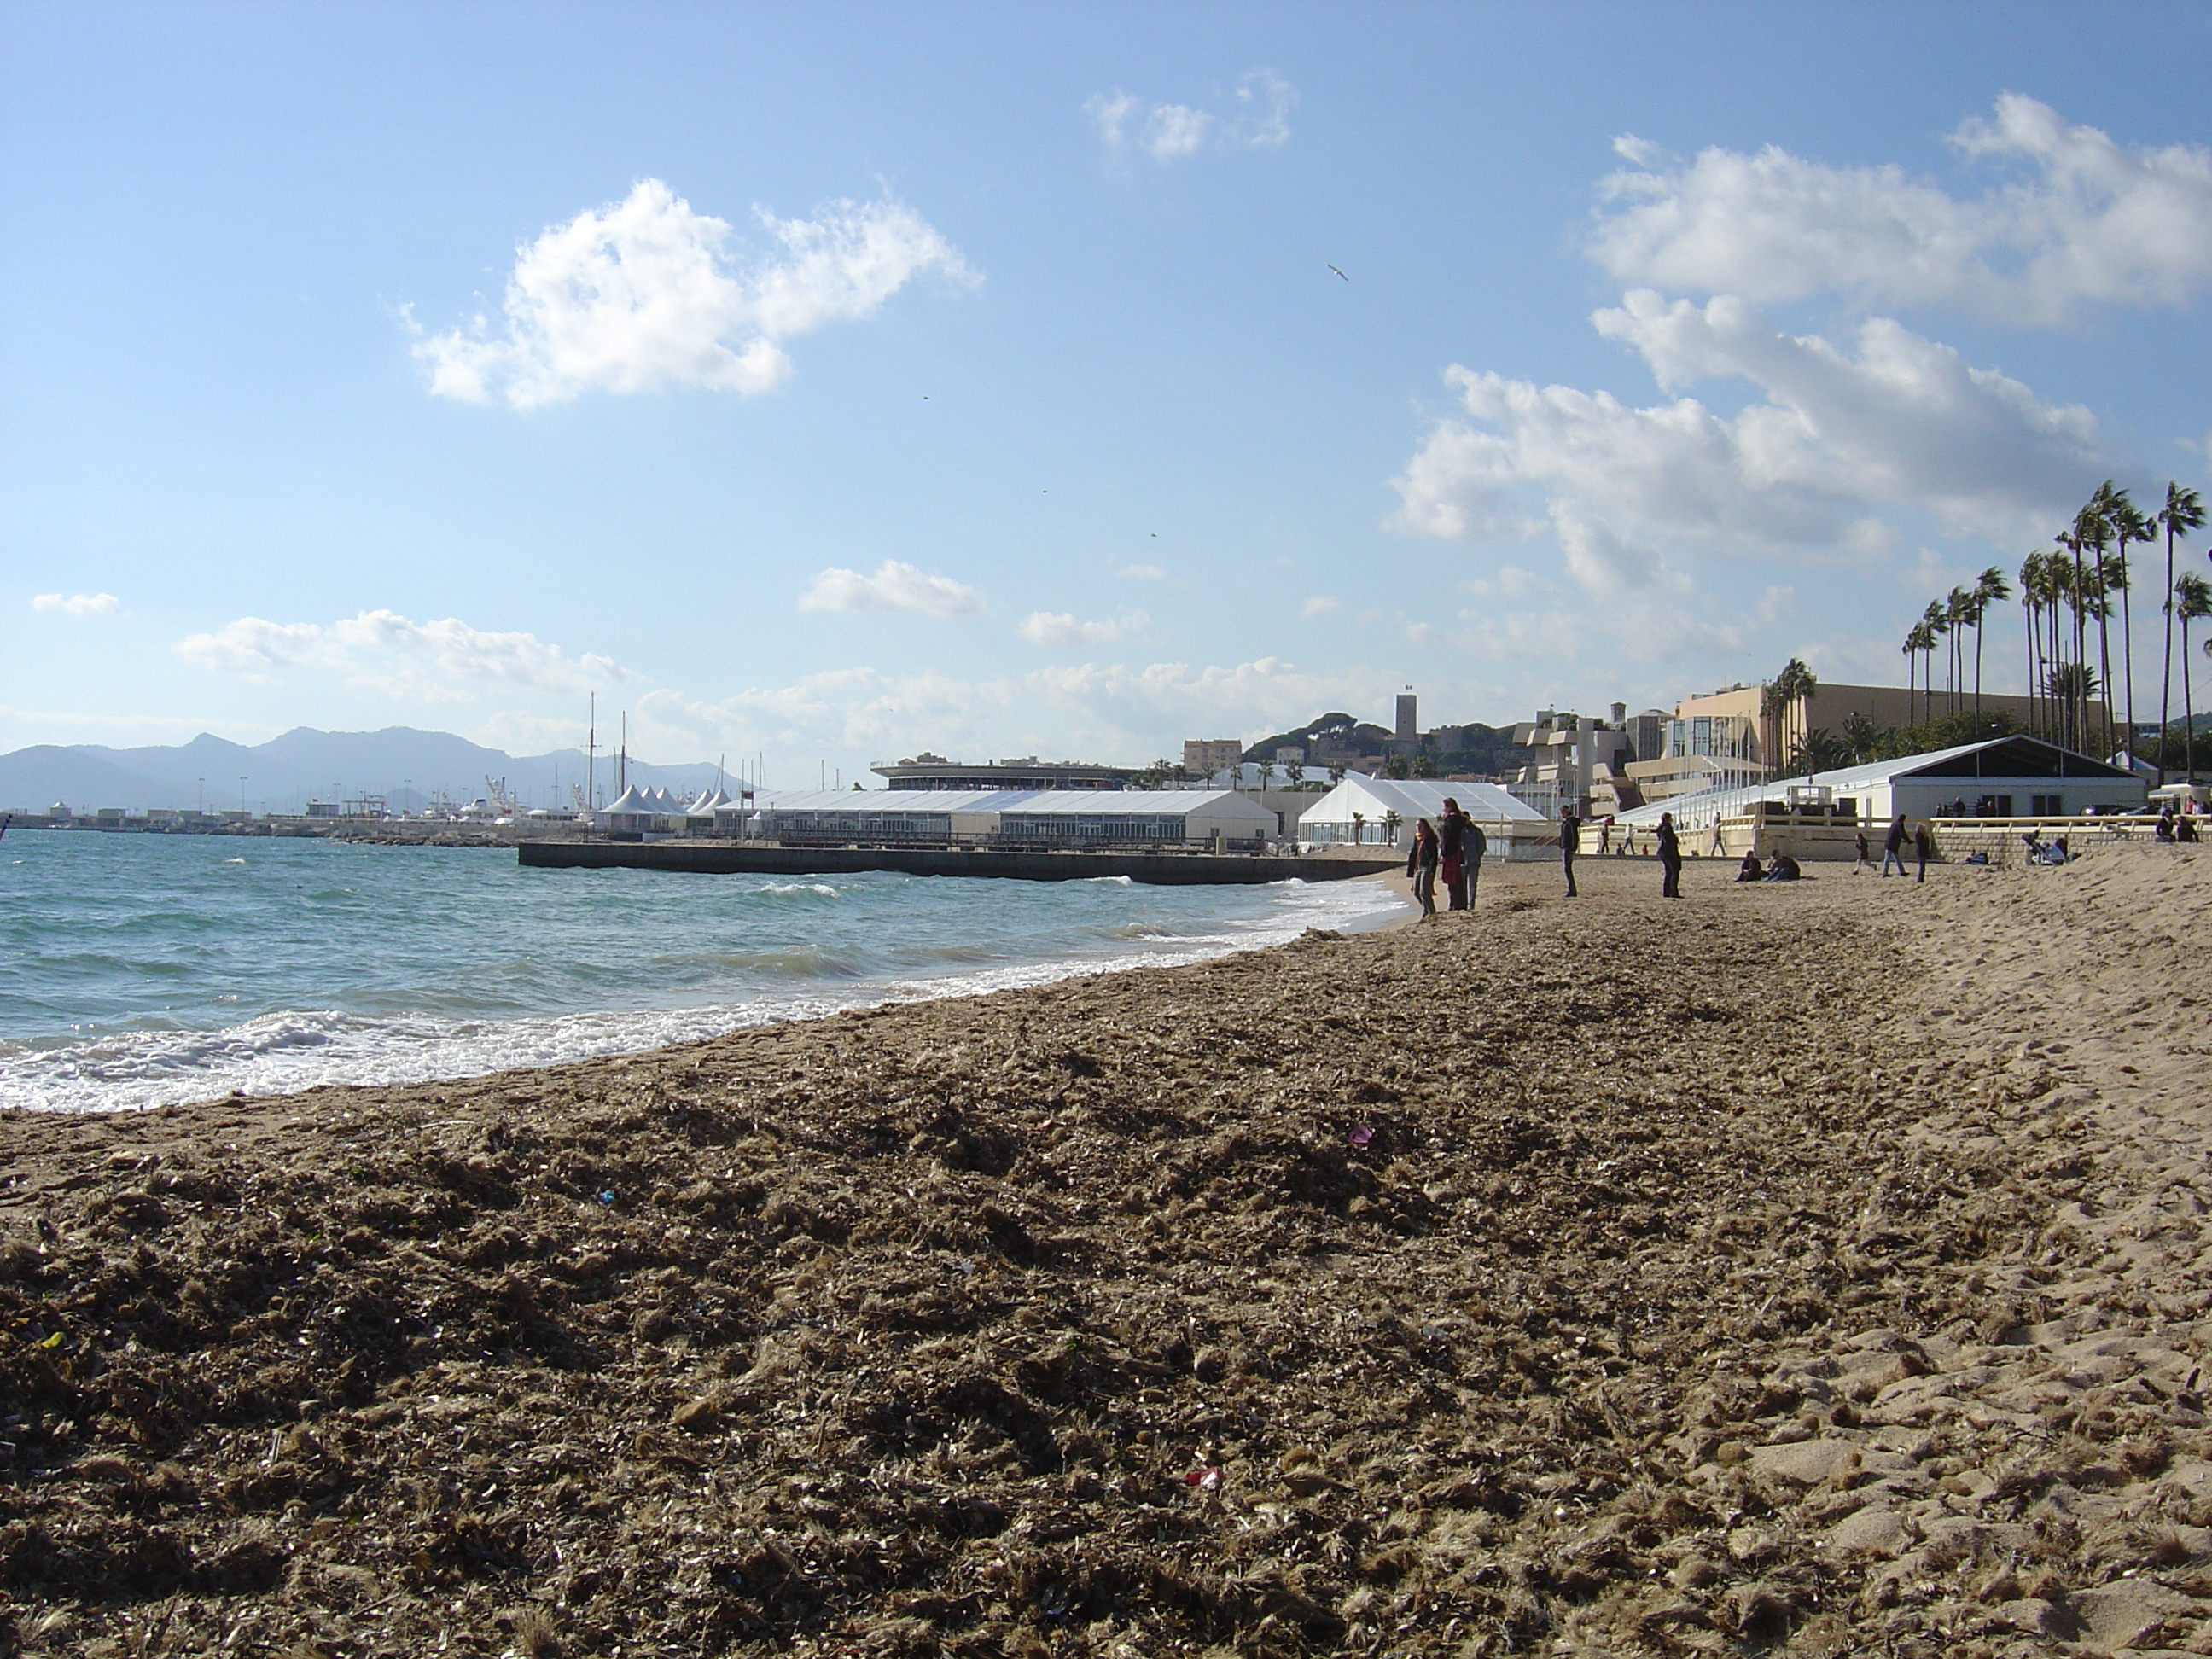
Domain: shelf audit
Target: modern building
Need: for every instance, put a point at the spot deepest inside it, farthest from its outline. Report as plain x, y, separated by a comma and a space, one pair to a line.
1579, 762
935, 771
2017, 776
1733, 723
1384, 810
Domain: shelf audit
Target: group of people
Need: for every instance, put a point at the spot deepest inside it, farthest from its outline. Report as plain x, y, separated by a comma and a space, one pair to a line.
1893, 849
1451, 848
1784, 868
2174, 827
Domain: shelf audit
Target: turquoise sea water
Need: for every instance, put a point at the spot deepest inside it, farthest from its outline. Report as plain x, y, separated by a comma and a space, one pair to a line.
140, 969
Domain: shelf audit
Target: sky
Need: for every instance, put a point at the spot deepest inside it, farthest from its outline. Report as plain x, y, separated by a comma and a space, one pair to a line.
825, 383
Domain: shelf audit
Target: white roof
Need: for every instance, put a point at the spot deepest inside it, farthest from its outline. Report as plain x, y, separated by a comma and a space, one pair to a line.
1411, 798
634, 799
713, 800
1141, 803
1853, 780
887, 800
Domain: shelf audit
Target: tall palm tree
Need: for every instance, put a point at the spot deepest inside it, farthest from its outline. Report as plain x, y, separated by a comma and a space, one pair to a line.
2032, 585
2127, 523
1989, 587
1911, 649
1780, 699
2096, 533
1959, 605
2072, 540
2191, 602
2183, 513
1934, 624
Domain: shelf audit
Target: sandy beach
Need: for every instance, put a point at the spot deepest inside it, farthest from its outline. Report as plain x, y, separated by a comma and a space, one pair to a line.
1817, 1268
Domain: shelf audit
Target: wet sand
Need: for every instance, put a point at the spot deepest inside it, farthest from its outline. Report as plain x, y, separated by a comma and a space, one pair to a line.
1817, 1268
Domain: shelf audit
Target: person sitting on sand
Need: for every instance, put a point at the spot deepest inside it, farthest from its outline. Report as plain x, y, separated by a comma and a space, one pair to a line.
1751, 869
2184, 829
1421, 859
2163, 829
1784, 868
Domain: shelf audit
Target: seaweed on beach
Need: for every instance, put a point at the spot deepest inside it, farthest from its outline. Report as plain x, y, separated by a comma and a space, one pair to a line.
1611, 1280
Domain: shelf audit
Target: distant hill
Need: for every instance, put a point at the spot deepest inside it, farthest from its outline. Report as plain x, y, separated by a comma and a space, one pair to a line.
405, 766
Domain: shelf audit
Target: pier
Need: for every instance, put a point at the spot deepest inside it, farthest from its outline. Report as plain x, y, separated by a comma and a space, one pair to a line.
1153, 868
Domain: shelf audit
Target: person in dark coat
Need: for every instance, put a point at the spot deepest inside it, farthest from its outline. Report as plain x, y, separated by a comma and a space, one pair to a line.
1751, 869
1670, 858
1421, 860
1923, 845
1451, 851
1571, 843
1893, 846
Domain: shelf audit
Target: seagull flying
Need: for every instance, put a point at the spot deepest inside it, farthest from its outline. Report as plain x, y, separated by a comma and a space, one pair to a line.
1339, 273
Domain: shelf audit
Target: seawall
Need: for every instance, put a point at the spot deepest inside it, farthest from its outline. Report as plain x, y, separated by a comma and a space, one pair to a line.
1161, 869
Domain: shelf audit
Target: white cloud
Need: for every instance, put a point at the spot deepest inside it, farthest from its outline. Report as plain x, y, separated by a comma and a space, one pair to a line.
1255, 116
2082, 219
1050, 628
1141, 572
645, 294
1838, 437
895, 586
444, 661
1320, 605
78, 604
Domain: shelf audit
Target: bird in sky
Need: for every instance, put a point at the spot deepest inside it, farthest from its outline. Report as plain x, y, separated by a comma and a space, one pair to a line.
1339, 273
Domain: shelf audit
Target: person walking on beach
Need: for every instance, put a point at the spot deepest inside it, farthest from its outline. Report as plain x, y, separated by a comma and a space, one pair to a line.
1670, 858
1421, 862
1451, 851
1860, 841
1893, 846
1571, 843
1923, 845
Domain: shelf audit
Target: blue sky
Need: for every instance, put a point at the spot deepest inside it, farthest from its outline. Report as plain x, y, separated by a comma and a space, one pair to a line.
832, 381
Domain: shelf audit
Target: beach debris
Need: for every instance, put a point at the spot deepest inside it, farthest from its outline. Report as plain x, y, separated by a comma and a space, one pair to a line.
1360, 1134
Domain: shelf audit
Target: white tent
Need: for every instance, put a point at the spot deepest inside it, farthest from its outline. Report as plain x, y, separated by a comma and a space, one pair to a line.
1384, 809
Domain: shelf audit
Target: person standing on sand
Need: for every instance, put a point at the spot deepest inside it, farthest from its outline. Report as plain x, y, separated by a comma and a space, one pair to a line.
1421, 865
1571, 843
1893, 846
1451, 851
1670, 858
1923, 845
1471, 869
1860, 843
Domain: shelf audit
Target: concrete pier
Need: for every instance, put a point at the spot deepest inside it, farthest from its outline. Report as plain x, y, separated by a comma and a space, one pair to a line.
1160, 869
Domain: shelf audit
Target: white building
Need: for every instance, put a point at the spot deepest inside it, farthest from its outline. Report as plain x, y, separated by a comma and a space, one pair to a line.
2018, 776
1384, 810
1117, 818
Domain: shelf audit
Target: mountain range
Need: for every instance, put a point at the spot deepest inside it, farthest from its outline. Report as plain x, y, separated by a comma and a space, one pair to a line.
407, 767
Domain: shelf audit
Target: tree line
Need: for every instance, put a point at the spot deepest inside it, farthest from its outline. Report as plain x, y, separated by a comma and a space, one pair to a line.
2070, 595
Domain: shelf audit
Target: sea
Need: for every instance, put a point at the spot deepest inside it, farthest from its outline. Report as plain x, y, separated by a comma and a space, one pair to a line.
138, 970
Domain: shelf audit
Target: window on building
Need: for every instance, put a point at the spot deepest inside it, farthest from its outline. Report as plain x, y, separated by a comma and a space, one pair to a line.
2046, 807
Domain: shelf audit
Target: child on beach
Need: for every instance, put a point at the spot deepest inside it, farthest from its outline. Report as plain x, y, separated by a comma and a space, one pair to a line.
1421, 862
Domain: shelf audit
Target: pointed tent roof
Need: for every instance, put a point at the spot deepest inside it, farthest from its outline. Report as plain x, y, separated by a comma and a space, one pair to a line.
632, 799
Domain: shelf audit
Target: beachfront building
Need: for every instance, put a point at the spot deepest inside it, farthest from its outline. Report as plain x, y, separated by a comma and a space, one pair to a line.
935, 773
1381, 811
1052, 818
2016, 776
1736, 723
1576, 761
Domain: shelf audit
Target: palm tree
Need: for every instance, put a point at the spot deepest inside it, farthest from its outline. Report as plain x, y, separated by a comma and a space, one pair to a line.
2032, 584
2072, 540
1778, 699
1936, 623
2127, 523
2184, 512
1820, 751
1959, 606
2096, 531
1911, 652
1861, 738
1989, 587
2191, 602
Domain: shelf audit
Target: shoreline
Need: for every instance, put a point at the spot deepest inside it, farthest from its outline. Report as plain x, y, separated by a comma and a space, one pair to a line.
1610, 1276
307, 1044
